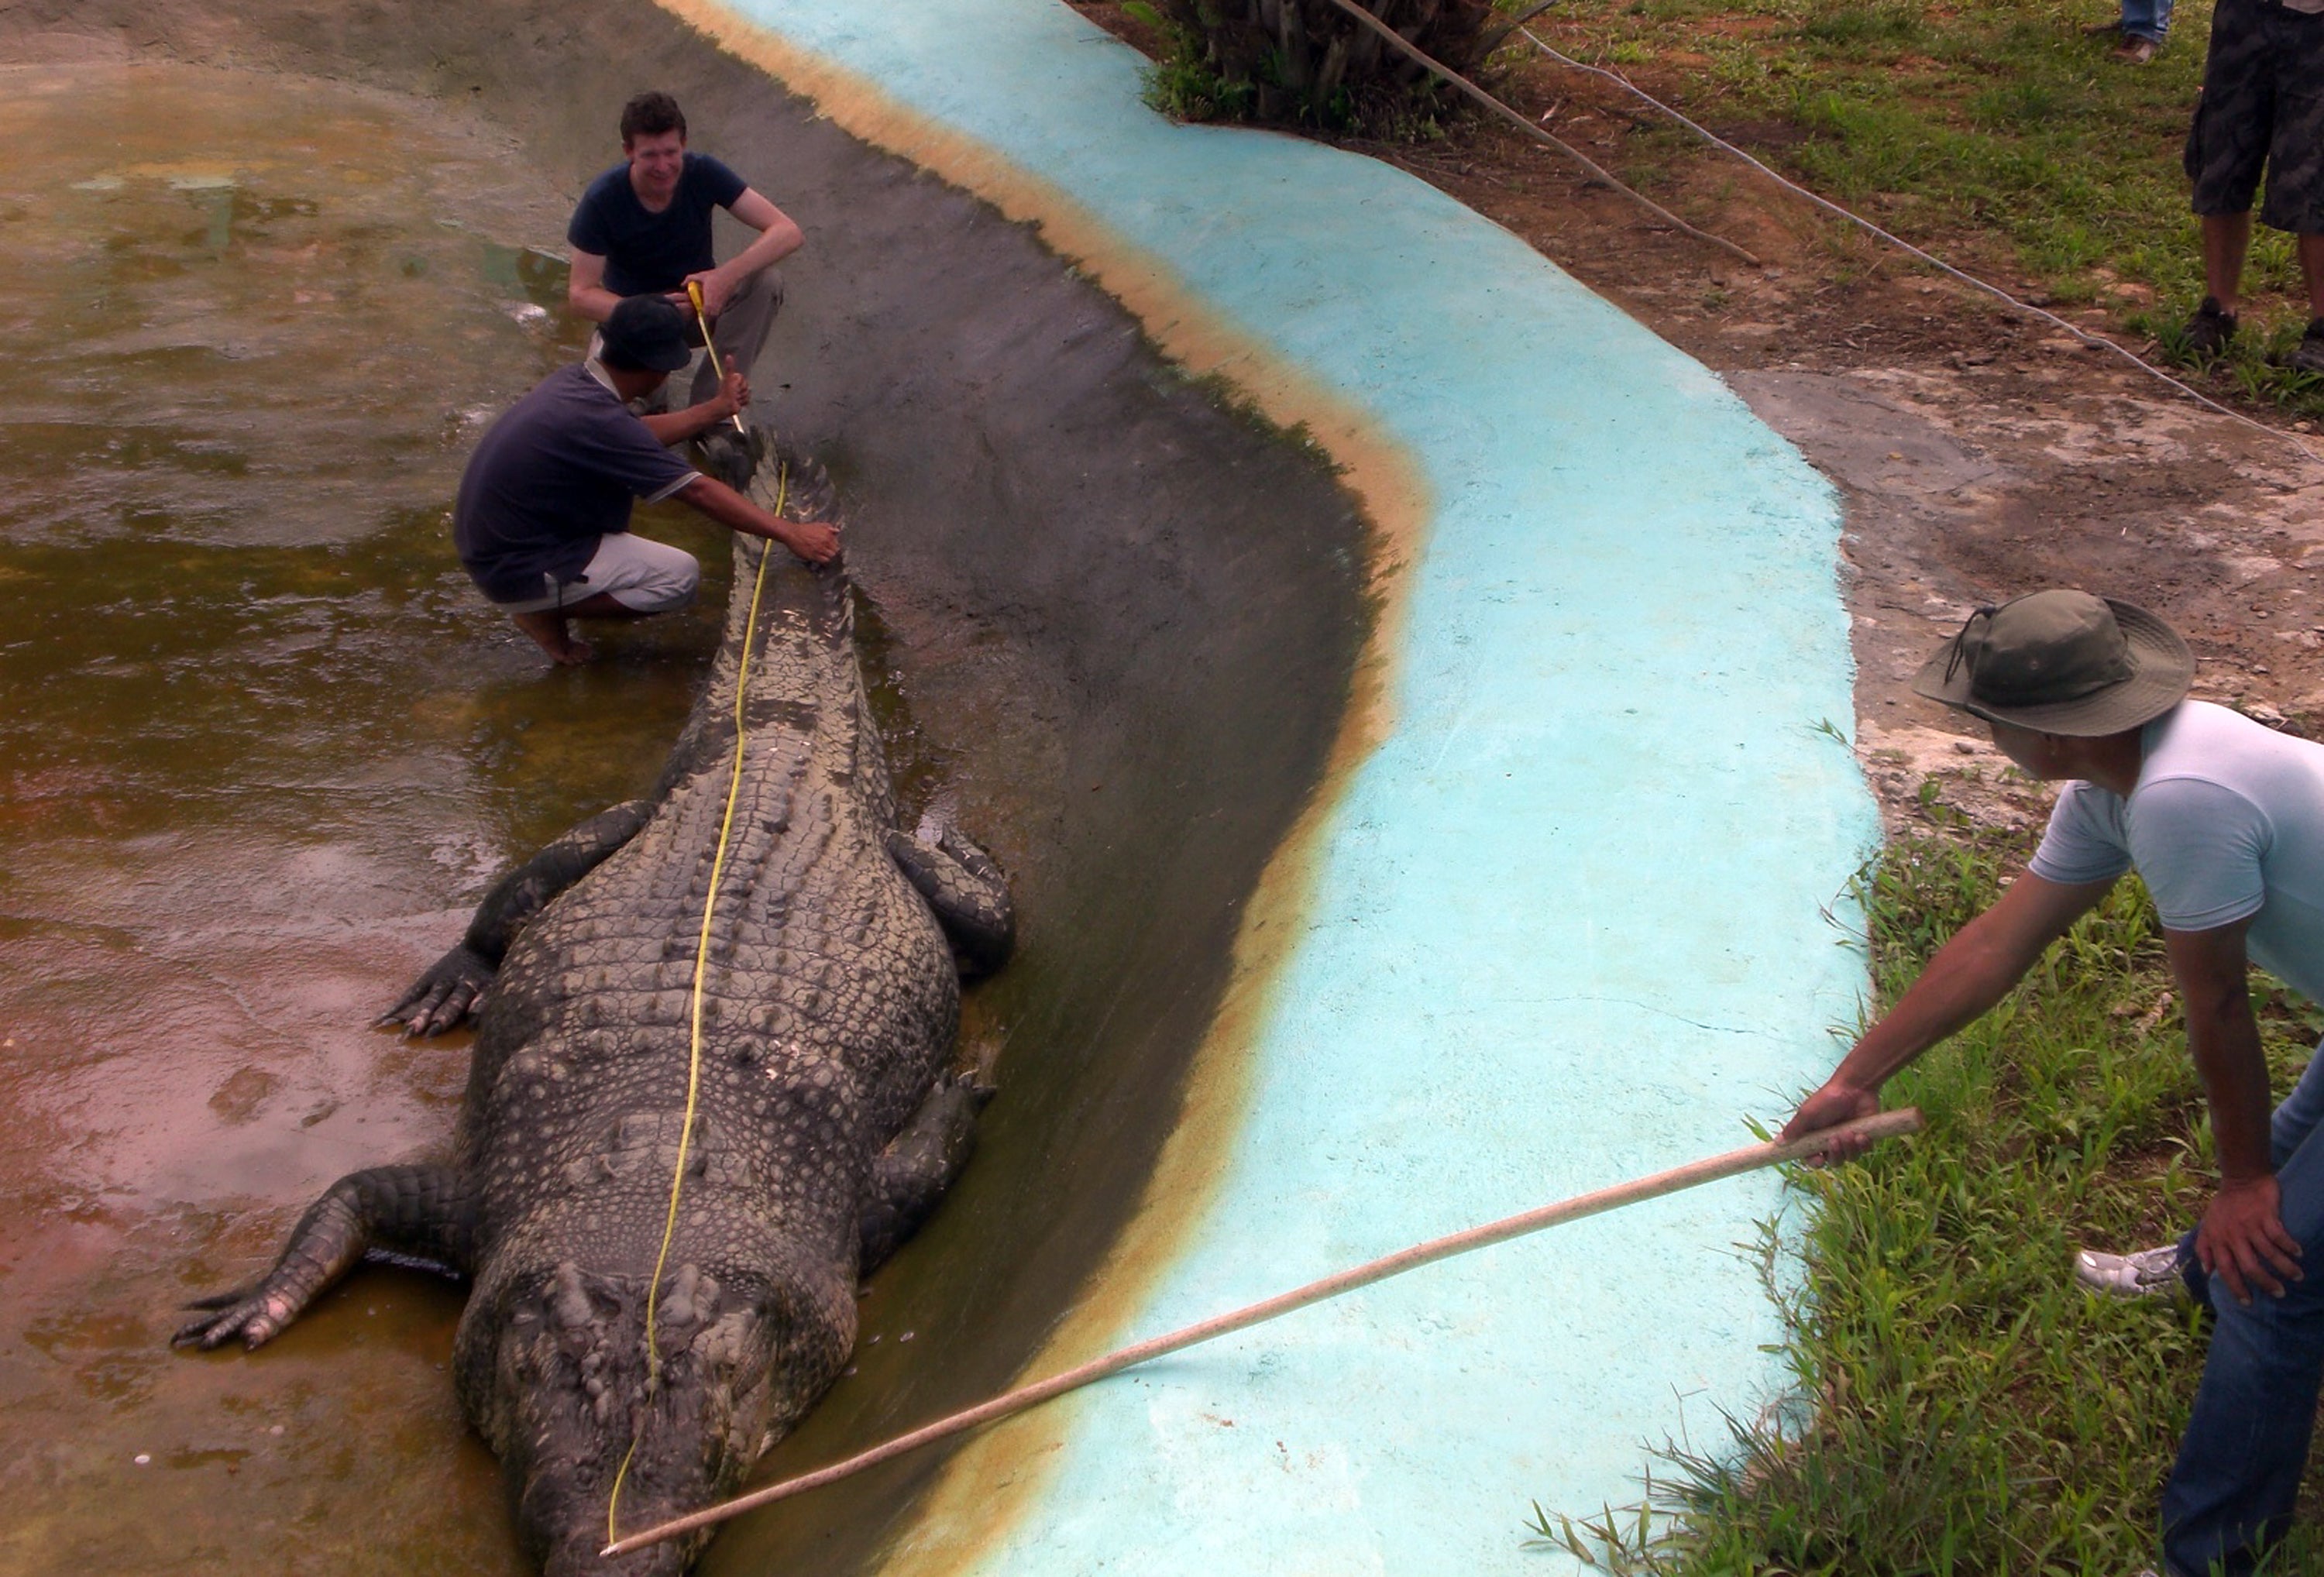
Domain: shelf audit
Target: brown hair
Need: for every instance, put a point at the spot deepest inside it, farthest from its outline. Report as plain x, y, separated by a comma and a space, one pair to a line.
650, 115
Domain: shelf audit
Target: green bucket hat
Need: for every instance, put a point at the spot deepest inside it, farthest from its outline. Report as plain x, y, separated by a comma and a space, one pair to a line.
2061, 662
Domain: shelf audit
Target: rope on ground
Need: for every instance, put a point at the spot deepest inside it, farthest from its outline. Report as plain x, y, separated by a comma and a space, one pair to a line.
1864, 1130
1447, 74
2096, 341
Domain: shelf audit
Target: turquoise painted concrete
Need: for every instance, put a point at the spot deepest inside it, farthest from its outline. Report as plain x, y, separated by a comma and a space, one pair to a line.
1569, 928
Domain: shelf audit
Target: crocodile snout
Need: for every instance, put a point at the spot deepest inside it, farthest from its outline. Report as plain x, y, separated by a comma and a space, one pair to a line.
579, 1408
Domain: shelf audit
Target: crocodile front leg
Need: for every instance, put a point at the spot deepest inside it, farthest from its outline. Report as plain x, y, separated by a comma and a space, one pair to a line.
966, 888
920, 1164
425, 1213
453, 986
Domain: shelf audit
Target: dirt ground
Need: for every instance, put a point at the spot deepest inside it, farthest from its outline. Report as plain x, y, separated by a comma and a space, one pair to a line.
1979, 452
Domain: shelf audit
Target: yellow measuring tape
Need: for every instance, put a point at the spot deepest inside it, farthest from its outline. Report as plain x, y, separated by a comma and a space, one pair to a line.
701, 968
701, 316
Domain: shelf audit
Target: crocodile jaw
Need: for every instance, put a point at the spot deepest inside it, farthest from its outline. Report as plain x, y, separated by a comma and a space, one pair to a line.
574, 1407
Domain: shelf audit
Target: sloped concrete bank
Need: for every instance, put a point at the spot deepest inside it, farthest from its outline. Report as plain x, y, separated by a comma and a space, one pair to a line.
1126, 619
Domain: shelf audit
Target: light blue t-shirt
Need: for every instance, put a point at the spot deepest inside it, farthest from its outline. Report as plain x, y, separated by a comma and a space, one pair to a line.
2226, 823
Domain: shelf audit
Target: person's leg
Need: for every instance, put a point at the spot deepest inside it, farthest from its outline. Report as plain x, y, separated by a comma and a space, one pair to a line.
2297, 1115
2295, 166
2308, 355
554, 637
741, 330
2227, 237
632, 577
629, 576
2295, 141
2232, 1490
2226, 149
2144, 21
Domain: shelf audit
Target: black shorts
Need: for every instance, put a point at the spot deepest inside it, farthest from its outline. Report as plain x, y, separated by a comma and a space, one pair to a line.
2262, 103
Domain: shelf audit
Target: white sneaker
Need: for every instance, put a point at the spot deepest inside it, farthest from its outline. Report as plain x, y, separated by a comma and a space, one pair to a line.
2148, 1273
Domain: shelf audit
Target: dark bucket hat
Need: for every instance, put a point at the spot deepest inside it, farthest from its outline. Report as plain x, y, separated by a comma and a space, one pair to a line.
645, 332
2061, 662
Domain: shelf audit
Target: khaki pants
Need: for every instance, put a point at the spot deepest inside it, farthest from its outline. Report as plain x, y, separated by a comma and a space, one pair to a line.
642, 574
740, 332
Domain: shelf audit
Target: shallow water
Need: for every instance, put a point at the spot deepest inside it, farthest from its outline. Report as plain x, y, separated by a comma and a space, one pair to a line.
263, 748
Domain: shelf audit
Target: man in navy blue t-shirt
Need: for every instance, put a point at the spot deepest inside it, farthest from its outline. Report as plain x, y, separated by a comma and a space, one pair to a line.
542, 517
644, 226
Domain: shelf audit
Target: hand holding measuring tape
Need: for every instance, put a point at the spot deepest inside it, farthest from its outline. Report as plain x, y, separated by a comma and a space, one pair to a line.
693, 294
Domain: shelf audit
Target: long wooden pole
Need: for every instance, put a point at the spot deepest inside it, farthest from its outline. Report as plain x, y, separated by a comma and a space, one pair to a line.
1886, 1125
1446, 73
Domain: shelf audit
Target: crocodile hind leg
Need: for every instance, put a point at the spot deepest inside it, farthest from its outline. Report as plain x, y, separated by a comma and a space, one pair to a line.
453, 986
421, 1212
966, 888
920, 1164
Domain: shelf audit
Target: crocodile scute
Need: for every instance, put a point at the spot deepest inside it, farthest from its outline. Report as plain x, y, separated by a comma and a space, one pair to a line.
827, 1121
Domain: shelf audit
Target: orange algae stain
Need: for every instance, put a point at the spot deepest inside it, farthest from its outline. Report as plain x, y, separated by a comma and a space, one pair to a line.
994, 1479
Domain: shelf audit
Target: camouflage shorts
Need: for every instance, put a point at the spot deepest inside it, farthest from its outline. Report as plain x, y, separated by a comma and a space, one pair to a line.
2263, 105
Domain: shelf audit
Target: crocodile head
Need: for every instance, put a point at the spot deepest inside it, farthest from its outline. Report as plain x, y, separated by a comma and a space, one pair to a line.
576, 1405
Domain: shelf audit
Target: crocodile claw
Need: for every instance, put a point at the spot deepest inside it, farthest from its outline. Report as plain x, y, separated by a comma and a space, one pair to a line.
451, 991
247, 1312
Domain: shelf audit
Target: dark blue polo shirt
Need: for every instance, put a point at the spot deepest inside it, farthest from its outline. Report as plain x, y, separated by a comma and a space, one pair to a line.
558, 470
654, 252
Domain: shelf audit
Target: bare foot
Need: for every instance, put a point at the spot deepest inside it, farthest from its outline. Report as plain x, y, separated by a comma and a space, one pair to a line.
555, 637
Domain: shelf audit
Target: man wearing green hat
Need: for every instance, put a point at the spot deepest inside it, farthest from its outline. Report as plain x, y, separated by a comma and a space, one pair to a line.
2224, 820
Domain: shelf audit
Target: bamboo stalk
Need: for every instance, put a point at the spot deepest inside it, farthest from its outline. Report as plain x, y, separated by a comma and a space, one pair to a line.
1397, 41
1884, 1125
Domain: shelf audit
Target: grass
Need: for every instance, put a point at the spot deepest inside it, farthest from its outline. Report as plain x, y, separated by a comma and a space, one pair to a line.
1991, 131
1975, 1413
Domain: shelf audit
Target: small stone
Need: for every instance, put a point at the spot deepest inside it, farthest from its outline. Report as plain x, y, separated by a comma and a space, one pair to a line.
907, 1336
143, 1459
1965, 747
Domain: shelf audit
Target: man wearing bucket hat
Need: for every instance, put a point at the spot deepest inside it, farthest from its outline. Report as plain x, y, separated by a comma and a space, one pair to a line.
2224, 819
542, 521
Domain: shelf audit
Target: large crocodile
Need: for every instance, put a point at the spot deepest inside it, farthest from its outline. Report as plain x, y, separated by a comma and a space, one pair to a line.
826, 1123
